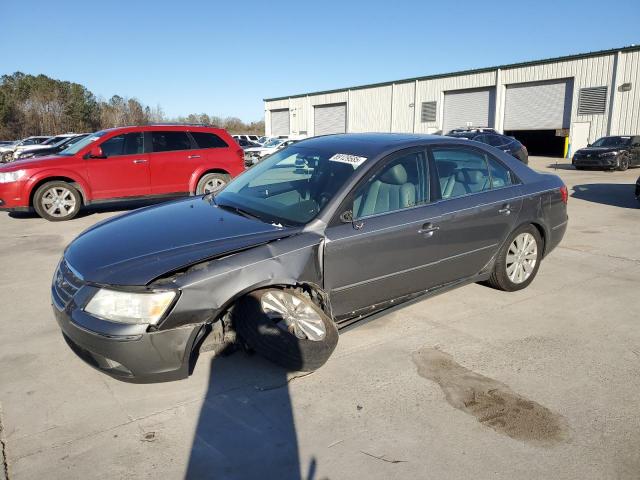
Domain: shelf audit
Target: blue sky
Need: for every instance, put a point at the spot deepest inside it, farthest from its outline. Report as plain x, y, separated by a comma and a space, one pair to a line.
223, 58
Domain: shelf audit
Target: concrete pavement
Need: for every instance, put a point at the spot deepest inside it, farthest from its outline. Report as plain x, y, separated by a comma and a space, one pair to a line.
413, 394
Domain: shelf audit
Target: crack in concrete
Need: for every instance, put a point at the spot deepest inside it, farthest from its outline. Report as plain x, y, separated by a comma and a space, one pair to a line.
3, 450
599, 254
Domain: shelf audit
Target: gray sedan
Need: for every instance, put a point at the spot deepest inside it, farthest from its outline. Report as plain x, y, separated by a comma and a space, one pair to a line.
320, 235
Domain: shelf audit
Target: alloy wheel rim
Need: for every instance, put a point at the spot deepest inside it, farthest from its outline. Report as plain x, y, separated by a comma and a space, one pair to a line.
58, 202
522, 257
213, 185
294, 315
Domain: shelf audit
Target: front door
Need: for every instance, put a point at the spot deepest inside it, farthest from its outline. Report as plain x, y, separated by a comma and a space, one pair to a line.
124, 170
386, 252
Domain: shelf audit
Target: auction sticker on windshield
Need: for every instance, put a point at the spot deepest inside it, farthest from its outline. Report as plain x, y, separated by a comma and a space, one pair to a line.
353, 160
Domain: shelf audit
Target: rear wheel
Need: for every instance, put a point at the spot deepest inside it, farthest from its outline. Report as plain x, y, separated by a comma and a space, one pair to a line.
211, 183
57, 201
518, 261
286, 327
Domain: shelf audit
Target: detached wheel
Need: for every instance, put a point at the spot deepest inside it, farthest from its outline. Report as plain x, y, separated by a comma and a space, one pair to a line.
211, 182
623, 163
518, 261
287, 328
57, 201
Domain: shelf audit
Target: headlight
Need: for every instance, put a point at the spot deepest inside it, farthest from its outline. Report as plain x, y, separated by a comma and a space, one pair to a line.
9, 177
128, 307
608, 154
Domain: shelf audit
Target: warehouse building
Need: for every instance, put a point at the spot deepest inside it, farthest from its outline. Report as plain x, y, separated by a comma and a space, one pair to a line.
554, 106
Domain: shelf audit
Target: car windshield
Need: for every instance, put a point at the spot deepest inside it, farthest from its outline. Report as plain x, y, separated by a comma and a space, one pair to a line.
52, 141
273, 143
612, 142
291, 187
76, 147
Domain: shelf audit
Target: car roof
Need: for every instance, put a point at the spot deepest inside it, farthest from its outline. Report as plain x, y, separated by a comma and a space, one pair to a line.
367, 144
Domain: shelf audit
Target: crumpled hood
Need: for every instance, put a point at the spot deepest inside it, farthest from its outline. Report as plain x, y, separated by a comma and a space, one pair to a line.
138, 247
599, 150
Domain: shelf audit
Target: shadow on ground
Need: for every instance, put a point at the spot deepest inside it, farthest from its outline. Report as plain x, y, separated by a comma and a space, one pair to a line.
246, 427
614, 194
102, 208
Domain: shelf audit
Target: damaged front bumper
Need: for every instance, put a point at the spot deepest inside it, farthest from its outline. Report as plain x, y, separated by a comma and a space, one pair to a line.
129, 352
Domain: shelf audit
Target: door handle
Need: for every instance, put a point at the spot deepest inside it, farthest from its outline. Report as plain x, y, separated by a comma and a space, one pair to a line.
140, 160
428, 229
506, 210
193, 156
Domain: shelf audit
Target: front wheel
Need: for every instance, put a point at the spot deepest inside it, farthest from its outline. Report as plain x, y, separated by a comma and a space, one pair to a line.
211, 183
518, 261
57, 201
623, 163
286, 327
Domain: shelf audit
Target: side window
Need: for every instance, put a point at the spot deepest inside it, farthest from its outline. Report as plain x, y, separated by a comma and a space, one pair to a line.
482, 138
125, 144
400, 184
168, 141
208, 140
501, 176
461, 171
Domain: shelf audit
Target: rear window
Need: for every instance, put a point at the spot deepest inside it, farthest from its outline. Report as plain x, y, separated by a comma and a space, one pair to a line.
170, 140
208, 140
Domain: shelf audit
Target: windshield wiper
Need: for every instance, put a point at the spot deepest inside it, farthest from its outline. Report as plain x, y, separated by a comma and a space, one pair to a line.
239, 211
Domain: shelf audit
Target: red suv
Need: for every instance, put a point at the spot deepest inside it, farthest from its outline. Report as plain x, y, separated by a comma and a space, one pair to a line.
121, 163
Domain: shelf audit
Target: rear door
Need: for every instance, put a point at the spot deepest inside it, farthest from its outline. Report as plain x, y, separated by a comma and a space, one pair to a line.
211, 152
124, 172
387, 251
173, 159
479, 205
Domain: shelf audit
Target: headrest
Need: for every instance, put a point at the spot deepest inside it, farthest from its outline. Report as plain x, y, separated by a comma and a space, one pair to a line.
396, 175
446, 169
470, 176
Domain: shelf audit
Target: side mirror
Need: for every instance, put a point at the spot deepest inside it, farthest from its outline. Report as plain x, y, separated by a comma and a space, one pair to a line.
588, 144
95, 152
347, 217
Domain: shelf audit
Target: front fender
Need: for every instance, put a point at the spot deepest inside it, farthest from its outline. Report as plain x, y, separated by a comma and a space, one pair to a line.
209, 288
83, 185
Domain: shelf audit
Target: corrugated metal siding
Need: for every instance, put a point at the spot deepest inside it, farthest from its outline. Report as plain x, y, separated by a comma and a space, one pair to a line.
403, 106
330, 119
626, 117
538, 106
468, 108
370, 109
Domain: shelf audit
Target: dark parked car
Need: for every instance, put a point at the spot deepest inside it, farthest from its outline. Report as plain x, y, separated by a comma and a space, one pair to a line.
617, 152
316, 237
638, 189
490, 137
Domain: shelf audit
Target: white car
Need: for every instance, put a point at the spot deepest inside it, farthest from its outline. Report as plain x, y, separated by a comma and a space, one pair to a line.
6, 151
250, 138
52, 142
255, 154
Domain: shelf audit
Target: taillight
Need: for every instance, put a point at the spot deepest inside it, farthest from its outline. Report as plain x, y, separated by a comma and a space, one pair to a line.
240, 154
565, 194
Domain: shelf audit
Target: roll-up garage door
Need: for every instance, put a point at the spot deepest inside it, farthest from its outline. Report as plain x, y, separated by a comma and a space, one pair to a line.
464, 108
279, 122
329, 119
538, 105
